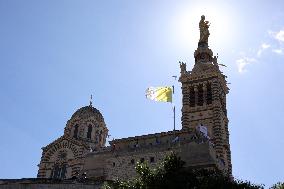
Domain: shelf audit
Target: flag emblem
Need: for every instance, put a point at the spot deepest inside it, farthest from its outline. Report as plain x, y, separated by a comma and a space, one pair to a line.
160, 94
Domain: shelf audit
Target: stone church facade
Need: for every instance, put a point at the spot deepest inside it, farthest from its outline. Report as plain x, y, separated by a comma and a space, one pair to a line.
64, 158
82, 150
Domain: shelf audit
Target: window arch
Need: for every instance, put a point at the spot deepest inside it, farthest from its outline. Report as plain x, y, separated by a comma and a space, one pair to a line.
209, 94
89, 133
200, 95
59, 171
75, 133
191, 97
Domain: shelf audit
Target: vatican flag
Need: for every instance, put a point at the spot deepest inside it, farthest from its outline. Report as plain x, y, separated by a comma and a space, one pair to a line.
160, 94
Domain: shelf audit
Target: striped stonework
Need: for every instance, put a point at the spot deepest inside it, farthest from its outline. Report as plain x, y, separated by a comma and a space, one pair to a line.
204, 91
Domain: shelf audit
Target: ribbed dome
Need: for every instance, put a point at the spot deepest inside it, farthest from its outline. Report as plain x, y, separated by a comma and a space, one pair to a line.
88, 111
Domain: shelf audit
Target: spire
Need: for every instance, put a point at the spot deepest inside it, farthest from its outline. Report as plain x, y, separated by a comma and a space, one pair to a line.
91, 100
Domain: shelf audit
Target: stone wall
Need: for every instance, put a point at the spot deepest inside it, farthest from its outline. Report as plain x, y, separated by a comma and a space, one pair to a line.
119, 160
46, 184
123, 165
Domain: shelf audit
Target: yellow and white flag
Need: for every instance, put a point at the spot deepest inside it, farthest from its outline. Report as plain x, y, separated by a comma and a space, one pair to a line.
160, 94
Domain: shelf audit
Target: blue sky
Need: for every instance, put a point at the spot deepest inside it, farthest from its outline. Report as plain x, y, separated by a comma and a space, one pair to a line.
54, 54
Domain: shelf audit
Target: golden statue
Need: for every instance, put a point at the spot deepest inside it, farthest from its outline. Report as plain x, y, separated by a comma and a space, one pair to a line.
204, 32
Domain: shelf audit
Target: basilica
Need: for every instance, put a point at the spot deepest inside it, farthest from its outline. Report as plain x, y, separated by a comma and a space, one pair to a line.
82, 150
203, 141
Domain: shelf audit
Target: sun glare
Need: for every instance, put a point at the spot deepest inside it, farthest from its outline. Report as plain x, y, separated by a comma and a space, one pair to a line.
186, 22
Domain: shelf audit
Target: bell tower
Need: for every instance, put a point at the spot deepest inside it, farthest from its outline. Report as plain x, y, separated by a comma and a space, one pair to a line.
204, 91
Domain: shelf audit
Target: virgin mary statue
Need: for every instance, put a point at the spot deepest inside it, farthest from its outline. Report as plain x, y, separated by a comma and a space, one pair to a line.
204, 32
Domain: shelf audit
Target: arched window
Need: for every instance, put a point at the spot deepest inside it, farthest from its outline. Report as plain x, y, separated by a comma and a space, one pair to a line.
209, 94
59, 172
97, 136
191, 97
89, 133
54, 172
75, 133
63, 171
200, 95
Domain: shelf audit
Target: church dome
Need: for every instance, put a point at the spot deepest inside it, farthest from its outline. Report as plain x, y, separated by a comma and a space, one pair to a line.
87, 124
88, 111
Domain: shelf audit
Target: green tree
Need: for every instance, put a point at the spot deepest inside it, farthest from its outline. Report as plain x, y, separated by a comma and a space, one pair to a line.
172, 174
278, 185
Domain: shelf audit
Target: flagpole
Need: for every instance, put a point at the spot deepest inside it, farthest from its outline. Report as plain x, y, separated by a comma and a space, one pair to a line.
174, 118
174, 108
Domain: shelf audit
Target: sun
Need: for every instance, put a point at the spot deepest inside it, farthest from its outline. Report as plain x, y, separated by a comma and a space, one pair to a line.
186, 20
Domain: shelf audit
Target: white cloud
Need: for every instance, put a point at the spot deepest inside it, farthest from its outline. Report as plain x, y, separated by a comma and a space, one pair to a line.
265, 46
279, 36
243, 62
277, 48
278, 51
262, 48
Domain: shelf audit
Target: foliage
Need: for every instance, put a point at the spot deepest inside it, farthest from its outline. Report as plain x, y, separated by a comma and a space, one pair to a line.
172, 174
278, 185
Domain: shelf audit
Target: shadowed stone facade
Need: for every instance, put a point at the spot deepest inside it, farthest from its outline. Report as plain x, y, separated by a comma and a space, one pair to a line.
33, 183
84, 132
204, 91
82, 150
119, 160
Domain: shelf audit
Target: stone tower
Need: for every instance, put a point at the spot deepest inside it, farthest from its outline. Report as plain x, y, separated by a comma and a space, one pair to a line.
85, 132
204, 91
